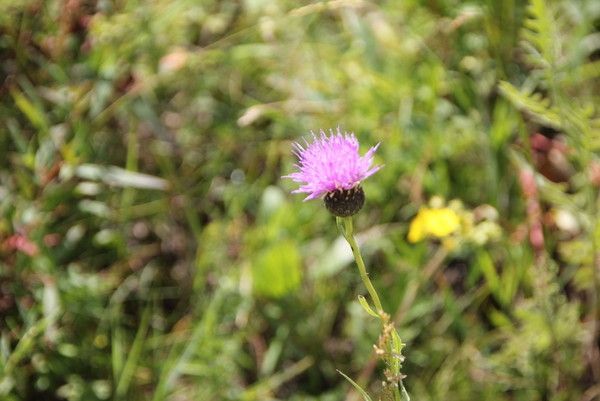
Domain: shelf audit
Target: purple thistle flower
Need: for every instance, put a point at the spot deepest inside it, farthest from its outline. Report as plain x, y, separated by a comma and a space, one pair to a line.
332, 165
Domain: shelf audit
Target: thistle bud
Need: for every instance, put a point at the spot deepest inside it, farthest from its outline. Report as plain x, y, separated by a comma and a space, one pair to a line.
345, 202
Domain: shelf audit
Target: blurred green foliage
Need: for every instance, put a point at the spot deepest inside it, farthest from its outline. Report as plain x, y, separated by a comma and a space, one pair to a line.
149, 248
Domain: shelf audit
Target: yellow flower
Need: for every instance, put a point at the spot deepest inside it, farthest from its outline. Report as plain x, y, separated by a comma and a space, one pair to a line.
439, 222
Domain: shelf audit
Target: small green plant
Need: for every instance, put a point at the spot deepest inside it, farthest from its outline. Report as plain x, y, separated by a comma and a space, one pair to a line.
557, 94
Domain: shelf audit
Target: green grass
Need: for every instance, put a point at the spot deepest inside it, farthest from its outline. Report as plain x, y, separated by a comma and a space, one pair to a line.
149, 249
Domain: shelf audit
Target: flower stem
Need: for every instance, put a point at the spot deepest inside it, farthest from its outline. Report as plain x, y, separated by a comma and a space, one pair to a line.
389, 339
348, 232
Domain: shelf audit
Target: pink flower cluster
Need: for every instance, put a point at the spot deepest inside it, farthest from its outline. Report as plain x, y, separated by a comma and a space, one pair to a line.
331, 162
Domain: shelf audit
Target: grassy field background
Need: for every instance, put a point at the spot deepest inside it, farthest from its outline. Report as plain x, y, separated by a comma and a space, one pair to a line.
150, 250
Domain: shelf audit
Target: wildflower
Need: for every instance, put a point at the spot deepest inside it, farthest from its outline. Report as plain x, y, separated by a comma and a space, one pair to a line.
21, 243
435, 222
332, 166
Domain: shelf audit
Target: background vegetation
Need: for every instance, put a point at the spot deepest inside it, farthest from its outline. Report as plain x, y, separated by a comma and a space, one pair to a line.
149, 249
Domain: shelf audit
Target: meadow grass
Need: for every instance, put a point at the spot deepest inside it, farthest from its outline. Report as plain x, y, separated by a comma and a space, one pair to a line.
149, 249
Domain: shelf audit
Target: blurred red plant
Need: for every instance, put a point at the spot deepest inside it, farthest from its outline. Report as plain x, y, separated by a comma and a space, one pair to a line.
21, 243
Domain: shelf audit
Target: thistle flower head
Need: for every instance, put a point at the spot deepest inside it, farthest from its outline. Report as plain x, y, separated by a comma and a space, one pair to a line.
331, 163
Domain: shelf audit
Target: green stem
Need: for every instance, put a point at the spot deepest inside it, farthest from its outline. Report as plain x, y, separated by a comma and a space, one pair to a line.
394, 345
348, 232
